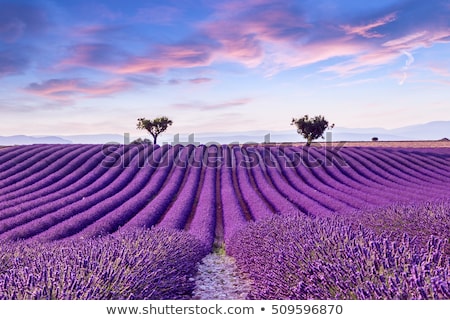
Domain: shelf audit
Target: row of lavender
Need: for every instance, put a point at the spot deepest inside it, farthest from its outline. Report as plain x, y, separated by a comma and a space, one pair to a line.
145, 264
395, 252
51, 192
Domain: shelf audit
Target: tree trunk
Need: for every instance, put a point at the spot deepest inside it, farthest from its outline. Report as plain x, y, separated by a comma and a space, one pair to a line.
154, 138
308, 142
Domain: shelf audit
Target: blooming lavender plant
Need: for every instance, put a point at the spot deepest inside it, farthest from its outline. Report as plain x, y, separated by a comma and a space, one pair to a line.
145, 264
296, 257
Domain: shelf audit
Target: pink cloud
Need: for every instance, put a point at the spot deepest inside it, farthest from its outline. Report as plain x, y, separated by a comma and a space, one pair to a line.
440, 70
366, 30
302, 55
425, 38
389, 51
363, 62
165, 57
66, 89
94, 55
245, 31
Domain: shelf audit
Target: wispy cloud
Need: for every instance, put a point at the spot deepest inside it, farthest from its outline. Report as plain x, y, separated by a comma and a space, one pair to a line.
409, 61
366, 30
115, 60
94, 55
66, 89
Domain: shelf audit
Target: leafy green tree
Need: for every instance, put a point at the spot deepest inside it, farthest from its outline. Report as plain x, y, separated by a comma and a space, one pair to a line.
311, 128
155, 127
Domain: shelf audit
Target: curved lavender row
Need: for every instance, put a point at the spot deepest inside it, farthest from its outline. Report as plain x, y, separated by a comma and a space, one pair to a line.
93, 183
111, 214
257, 206
233, 216
280, 204
388, 169
351, 175
179, 212
361, 180
419, 220
430, 185
298, 258
432, 162
372, 171
155, 209
89, 184
146, 264
440, 158
18, 153
429, 163
103, 210
155, 176
366, 177
203, 223
407, 164
328, 177
73, 172
9, 153
155, 172
335, 176
125, 212
49, 176
17, 156
306, 183
431, 182
330, 204
31, 166
52, 166
40, 219
305, 204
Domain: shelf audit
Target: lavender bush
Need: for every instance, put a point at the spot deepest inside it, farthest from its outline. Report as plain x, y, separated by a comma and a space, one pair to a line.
145, 264
295, 257
419, 220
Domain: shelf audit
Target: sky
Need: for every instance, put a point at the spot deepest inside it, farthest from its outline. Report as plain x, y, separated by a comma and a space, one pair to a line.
86, 67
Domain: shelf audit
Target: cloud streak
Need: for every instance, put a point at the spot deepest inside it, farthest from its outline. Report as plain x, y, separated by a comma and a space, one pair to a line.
409, 61
366, 30
67, 89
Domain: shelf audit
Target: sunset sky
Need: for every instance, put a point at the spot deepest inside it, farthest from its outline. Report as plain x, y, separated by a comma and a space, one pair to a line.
75, 67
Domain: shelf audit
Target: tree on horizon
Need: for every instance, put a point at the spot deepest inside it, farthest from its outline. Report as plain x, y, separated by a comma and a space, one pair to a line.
155, 127
311, 128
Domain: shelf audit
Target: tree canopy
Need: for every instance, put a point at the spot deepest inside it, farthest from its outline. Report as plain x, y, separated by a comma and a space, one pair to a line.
155, 127
311, 128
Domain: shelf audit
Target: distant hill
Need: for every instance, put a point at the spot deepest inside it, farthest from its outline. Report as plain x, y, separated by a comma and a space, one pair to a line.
22, 140
435, 130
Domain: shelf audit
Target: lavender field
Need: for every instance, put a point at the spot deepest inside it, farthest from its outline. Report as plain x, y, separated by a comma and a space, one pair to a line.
314, 216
